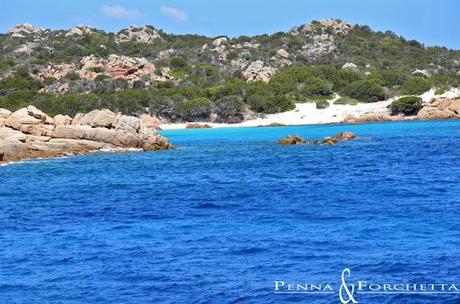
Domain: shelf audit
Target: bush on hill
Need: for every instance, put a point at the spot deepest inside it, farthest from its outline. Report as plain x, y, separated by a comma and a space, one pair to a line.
197, 109
415, 86
366, 90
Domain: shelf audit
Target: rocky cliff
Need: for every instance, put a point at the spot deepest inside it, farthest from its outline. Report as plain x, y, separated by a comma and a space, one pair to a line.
30, 133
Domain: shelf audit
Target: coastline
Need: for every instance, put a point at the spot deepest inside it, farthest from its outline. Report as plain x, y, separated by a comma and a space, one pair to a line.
308, 114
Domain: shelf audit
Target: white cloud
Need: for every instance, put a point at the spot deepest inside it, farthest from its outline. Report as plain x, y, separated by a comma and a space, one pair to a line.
118, 11
174, 13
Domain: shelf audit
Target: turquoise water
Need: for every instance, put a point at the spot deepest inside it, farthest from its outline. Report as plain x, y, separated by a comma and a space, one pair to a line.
229, 213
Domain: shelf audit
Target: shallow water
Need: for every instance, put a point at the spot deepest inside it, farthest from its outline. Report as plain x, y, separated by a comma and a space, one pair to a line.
229, 212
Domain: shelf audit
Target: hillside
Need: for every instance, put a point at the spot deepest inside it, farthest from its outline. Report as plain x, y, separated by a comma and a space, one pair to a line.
218, 79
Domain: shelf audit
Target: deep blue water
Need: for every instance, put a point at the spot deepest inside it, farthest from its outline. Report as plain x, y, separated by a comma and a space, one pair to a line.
229, 212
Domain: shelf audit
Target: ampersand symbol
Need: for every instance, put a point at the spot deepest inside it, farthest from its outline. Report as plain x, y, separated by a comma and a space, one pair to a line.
344, 288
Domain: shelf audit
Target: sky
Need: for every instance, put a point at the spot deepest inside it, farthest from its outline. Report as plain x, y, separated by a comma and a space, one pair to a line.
428, 21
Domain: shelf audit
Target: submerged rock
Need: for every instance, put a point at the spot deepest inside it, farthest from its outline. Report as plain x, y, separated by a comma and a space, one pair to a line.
345, 136
329, 141
292, 140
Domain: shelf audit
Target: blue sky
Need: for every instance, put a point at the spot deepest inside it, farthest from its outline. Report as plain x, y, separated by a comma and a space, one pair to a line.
431, 22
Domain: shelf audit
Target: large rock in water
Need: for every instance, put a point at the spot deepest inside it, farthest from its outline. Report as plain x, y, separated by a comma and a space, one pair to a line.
345, 136
30, 133
291, 140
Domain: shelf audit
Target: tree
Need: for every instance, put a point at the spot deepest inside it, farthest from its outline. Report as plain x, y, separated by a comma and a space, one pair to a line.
409, 105
230, 109
415, 86
178, 62
197, 109
365, 90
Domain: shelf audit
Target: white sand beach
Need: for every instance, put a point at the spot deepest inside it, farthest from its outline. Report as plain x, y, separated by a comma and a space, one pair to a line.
307, 113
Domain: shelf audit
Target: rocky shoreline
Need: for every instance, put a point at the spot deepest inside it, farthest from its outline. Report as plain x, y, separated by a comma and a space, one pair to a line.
442, 108
29, 133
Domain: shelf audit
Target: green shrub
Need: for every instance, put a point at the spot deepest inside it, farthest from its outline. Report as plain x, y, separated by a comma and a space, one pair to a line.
393, 77
415, 86
230, 109
72, 76
321, 104
278, 103
178, 62
441, 90
14, 83
365, 90
6, 63
49, 80
409, 105
96, 69
257, 103
197, 109
346, 101
101, 77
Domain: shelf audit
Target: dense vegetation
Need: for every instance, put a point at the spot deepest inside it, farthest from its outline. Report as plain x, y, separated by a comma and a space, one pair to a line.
409, 105
205, 86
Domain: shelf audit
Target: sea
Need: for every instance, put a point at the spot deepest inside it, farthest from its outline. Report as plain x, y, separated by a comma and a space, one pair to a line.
229, 216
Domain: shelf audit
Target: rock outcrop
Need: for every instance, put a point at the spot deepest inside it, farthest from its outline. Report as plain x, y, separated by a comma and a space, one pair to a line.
440, 109
437, 109
368, 117
345, 136
120, 67
332, 26
291, 140
256, 71
219, 42
319, 45
31, 121
321, 36
113, 66
80, 30
4, 114
327, 141
57, 71
282, 53
30, 133
350, 66
21, 30
146, 34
